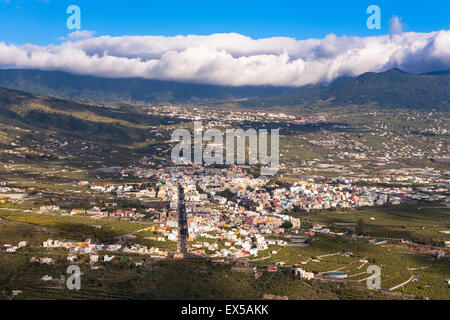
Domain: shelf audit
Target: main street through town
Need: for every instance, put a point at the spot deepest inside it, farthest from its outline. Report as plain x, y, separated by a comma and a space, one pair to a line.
182, 223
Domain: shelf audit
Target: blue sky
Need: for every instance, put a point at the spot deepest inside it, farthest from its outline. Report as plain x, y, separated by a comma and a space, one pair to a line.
44, 21
233, 42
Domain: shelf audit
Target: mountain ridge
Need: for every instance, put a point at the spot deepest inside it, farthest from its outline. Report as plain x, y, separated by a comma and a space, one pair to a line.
393, 88
100, 90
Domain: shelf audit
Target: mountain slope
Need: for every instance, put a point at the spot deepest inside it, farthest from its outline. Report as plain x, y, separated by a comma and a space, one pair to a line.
391, 89
125, 90
85, 121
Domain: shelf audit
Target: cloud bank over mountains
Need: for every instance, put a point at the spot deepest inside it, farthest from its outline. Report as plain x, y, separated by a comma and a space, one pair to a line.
234, 59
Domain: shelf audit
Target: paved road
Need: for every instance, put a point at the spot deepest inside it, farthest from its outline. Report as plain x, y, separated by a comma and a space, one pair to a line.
182, 222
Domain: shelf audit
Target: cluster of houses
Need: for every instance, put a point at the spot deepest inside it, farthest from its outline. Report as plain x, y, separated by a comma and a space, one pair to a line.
13, 248
307, 194
231, 213
159, 192
220, 227
87, 247
212, 115
8, 193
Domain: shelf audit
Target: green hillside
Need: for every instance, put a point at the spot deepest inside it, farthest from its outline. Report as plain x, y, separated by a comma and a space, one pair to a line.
390, 89
123, 124
125, 90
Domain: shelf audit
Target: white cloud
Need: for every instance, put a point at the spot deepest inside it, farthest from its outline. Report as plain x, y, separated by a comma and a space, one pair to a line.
81, 34
234, 59
78, 35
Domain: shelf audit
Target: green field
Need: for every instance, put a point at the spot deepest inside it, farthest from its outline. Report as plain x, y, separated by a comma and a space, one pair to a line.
419, 222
